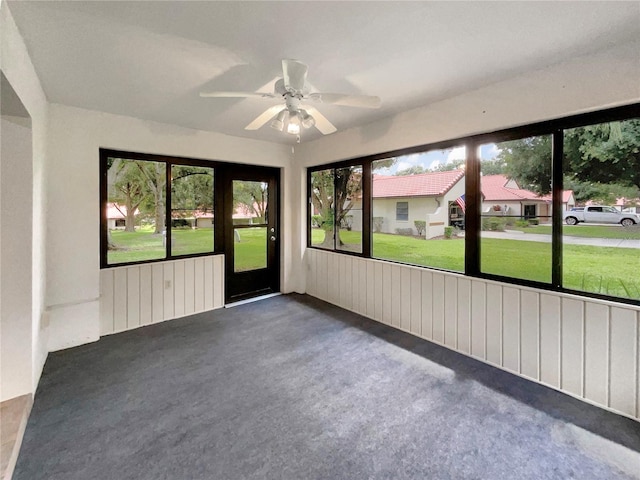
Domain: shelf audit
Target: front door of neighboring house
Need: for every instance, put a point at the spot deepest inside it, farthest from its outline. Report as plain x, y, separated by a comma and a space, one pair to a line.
529, 211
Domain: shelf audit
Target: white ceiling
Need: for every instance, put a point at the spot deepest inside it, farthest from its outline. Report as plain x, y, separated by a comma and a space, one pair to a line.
150, 60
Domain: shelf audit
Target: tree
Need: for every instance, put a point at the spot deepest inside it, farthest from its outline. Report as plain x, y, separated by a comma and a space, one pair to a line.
493, 167
603, 154
127, 190
413, 170
191, 189
528, 162
253, 196
449, 166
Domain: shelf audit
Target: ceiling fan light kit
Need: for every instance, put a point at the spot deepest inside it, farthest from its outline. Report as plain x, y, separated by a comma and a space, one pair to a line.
292, 87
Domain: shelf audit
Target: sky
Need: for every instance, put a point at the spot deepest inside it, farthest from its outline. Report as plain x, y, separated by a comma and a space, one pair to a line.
431, 159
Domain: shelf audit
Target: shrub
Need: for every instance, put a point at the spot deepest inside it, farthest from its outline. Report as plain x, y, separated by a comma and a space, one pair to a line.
404, 231
448, 232
534, 221
494, 224
377, 224
421, 225
522, 223
316, 221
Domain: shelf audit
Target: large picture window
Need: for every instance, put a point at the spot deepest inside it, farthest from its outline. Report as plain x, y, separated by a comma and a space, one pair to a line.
554, 205
155, 208
516, 217
418, 208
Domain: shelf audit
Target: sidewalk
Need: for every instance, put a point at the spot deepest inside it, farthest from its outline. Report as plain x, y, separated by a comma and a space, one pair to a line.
533, 237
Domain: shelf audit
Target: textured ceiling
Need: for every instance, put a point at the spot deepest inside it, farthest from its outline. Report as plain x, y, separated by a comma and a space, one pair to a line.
151, 59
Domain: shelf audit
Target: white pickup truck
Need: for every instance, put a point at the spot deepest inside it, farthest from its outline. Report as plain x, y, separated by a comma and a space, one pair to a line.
599, 214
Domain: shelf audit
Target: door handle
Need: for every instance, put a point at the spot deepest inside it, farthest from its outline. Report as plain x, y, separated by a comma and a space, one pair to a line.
273, 238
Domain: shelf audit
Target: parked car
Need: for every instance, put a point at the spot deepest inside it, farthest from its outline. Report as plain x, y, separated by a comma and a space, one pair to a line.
599, 214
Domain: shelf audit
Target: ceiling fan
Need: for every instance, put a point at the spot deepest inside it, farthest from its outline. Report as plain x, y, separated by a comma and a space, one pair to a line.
292, 87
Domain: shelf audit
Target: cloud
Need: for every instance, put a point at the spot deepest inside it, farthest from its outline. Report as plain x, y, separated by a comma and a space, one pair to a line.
458, 153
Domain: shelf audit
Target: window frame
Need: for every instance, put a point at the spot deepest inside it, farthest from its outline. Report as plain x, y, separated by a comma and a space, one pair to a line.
473, 196
168, 161
398, 214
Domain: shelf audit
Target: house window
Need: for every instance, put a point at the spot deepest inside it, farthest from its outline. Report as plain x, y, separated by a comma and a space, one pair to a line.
602, 169
321, 220
191, 210
402, 211
506, 181
348, 206
429, 180
136, 191
497, 187
155, 208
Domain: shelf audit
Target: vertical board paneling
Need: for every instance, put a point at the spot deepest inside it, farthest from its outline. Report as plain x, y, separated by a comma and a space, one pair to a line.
464, 315
178, 288
511, 329
120, 299
494, 324
157, 292
437, 303
571, 351
550, 340
208, 283
355, 285
133, 297
395, 295
377, 291
168, 291
145, 294
106, 302
427, 305
529, 334
386, 301
341, 280
596, 352
345, 273
478, 319
416, 301
218, 281
450, 311
189, 284
332, 279
362, 287
310, 256
622, 373
198, 279
370, 289
322, 259
405, 298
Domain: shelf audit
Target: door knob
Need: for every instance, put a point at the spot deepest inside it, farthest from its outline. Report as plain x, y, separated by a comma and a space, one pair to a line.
273, 238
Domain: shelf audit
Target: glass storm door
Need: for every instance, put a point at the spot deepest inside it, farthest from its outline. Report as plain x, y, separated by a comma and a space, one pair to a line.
251, 233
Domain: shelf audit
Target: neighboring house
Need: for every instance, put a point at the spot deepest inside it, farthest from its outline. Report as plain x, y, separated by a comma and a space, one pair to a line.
400, 200
502, 196
116, 216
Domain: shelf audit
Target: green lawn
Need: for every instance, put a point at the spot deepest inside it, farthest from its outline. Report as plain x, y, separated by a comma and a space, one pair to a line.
143, 244
608, 270
588, 231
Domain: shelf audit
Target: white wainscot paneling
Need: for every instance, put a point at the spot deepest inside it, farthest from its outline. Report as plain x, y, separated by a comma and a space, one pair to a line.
587, 348
138, 295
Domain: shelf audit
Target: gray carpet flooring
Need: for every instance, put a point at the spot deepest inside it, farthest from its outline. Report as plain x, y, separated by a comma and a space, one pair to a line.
294, 388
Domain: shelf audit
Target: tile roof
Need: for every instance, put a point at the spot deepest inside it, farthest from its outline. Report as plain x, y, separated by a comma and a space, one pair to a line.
494, 188
432, 184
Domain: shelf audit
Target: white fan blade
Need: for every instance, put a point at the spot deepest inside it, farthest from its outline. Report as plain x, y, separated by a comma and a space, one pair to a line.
322, 124
264, 117
238, 95
362, 101
295, 74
